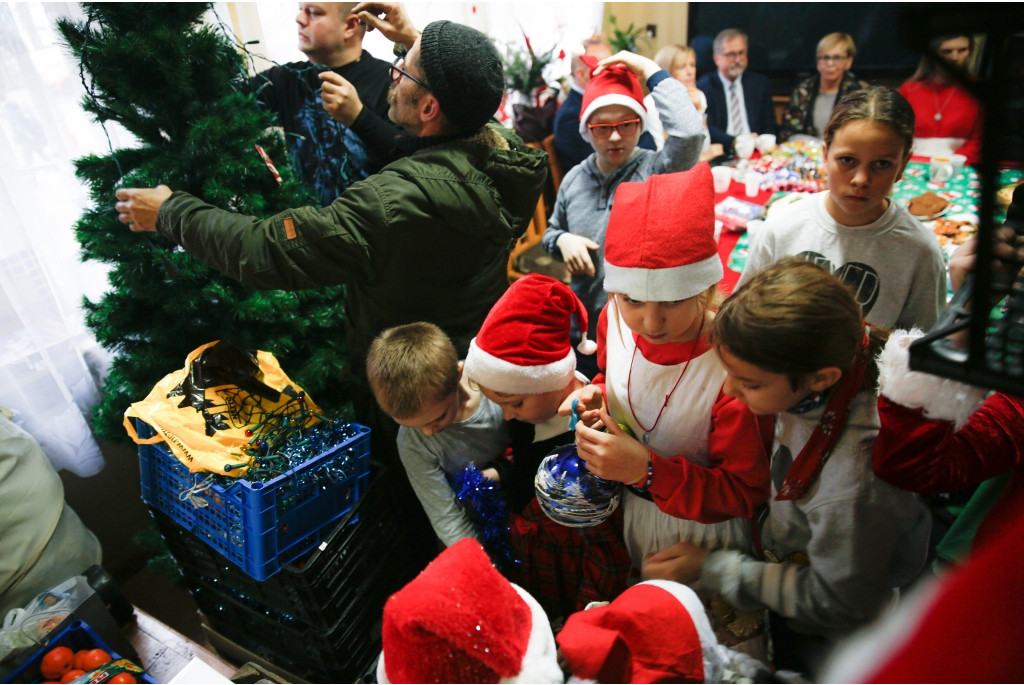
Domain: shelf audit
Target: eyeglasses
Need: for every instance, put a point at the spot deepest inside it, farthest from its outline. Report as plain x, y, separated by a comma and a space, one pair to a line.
831, 59
397, 72
625, 128
734, 55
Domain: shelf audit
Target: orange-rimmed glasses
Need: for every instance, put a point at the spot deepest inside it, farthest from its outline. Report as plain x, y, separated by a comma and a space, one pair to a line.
625, 128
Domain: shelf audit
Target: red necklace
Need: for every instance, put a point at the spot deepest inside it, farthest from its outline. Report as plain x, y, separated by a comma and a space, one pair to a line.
629, 380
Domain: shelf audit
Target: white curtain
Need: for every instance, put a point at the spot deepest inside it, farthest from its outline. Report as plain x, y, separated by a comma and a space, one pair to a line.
44, 344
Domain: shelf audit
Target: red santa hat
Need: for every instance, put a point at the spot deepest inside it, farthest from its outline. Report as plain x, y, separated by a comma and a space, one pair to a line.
660, 242
654, 632
460, 621
523, 346
615, 85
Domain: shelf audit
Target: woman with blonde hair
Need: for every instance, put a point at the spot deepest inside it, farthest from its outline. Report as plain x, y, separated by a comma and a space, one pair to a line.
680, 62
811, 105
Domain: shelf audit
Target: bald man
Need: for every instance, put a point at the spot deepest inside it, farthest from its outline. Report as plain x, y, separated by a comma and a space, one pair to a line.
342, 134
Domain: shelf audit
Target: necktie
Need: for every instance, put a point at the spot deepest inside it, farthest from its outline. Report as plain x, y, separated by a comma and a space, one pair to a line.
735, 116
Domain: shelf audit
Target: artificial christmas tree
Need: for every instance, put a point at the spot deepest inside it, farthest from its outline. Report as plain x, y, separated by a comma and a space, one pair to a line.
174, 82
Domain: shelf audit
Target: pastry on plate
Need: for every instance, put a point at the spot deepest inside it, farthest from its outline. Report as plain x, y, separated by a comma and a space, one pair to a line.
928, 205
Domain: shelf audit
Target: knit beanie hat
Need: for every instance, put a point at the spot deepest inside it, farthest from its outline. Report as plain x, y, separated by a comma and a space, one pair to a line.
460, 621
614, 86
523, 346
464, 72
660, 243
654, 632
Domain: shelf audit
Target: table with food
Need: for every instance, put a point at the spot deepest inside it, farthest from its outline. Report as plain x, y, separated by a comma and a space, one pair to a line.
790, 171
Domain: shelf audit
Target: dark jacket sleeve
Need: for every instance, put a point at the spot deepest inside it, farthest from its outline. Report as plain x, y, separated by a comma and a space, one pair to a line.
377, 133
793, 117
340, 243
718, 113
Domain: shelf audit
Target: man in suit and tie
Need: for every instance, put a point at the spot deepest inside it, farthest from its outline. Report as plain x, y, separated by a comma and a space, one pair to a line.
739, 101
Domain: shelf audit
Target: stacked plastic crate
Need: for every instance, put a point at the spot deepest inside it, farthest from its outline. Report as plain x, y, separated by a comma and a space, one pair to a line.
314, 608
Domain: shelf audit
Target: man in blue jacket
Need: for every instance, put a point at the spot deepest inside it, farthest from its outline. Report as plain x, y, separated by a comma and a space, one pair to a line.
569, 144
739, 101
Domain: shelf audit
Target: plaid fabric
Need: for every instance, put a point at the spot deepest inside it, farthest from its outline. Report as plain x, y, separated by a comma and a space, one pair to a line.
567, 568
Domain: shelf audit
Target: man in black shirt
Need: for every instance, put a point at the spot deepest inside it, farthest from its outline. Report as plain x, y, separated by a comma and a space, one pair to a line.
342, 134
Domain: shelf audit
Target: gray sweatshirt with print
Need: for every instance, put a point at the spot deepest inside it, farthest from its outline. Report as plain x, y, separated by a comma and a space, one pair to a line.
834, 556
584, 200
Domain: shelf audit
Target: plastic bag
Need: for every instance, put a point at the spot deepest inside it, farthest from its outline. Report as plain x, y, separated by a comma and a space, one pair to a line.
24, 628
203, 410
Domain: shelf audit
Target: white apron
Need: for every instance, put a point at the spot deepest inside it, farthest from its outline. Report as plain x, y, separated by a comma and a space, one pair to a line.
683, 430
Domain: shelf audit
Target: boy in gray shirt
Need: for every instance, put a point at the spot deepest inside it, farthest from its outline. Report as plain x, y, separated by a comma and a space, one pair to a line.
445, 422
612, 119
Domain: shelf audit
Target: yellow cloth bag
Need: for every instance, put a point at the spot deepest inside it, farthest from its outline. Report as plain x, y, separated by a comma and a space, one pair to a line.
203, 410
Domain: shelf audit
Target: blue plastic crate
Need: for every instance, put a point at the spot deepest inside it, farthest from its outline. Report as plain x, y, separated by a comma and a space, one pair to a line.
76, 636
259, 526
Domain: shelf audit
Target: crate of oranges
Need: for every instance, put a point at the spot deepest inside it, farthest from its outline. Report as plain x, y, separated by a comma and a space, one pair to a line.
78, 655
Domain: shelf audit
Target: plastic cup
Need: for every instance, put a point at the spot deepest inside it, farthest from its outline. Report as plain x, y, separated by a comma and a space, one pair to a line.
723, 177
940, 170
958, 164
752, 181
765, 142
745, 146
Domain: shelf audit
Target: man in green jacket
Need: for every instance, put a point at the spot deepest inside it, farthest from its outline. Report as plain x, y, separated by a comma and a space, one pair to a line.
426, 239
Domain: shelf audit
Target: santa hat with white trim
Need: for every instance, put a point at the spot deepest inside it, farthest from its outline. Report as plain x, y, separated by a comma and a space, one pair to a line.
615, 85
460, 621
654, 632
660, 242
523, 347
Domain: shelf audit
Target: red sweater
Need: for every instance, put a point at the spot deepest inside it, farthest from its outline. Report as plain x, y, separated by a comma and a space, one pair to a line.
737, 479
929, 456
961, 115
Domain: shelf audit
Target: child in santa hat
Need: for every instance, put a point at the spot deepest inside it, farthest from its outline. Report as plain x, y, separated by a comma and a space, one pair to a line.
655, 632
445, 424
837, 542
697, 467
460, 621
612, 117
523, 361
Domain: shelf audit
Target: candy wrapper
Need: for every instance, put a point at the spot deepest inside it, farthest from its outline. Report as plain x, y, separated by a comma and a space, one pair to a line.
104, 673
796, 166
735, 213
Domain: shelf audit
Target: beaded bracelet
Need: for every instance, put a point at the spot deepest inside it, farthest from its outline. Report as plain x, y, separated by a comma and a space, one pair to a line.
650, 474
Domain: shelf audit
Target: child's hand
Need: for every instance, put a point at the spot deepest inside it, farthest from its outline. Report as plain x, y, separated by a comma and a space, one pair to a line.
492, 474
590, 397
575, 251
643, 67
681, 562
613, 455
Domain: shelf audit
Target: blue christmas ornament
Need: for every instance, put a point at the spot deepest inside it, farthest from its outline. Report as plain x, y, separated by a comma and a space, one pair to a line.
569, 493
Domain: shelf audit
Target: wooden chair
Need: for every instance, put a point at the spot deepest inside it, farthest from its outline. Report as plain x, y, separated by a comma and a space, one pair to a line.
533, 235
554, 164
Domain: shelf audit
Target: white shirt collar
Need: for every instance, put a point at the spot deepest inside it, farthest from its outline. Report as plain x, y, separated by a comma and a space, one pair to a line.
726, 83
575, 86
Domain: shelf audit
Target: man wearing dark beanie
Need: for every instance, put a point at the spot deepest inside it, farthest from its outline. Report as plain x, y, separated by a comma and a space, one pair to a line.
426, 239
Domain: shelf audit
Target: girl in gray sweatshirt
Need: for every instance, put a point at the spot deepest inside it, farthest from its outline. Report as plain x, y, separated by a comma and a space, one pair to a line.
837, 542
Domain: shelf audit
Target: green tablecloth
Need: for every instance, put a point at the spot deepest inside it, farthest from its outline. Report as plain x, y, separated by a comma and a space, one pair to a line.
964, 194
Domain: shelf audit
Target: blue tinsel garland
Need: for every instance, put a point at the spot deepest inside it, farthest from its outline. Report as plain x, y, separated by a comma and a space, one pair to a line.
487, 511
